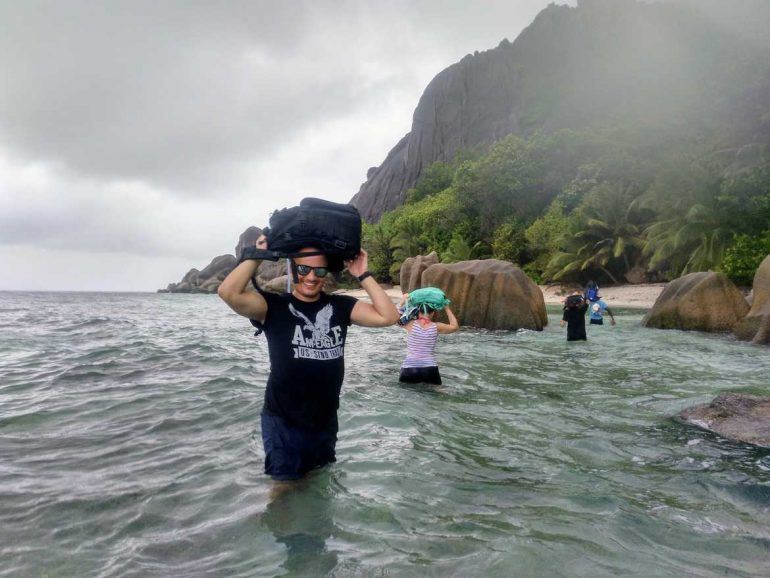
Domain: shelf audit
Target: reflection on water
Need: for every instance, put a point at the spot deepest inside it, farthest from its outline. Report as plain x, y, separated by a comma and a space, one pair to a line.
126, 449
299, 516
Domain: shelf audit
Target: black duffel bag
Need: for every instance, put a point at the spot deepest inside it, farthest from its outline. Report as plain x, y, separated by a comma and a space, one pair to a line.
332, 228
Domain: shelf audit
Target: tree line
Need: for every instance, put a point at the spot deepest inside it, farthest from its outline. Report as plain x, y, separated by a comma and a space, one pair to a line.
615, 205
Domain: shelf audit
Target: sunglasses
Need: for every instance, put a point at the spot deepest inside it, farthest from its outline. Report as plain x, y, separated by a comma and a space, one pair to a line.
306, 269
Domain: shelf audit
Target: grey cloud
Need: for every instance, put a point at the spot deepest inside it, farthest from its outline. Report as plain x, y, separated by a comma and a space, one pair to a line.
169, 92
209, 114
177, 93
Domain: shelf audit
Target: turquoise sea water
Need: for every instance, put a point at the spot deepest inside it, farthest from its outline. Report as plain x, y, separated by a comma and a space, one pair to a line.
129, 446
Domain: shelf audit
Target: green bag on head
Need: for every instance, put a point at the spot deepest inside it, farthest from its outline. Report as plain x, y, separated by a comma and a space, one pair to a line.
428, 299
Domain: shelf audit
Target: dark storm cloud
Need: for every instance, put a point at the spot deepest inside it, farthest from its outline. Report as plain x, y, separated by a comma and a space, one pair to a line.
162, 91
177, 93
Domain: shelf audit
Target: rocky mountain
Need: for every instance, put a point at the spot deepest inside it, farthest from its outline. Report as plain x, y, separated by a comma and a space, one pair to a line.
701, 64
208, 279
271, 275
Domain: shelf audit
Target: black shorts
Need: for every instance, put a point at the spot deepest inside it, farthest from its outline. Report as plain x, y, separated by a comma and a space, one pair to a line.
597, 322
291, 452
420, 375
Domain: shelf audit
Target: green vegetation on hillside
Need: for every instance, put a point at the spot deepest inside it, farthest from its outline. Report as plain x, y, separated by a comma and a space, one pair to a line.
642, 150
604, 204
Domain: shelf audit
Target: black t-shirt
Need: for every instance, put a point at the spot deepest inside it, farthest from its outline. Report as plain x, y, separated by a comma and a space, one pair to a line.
576, 322
306, 342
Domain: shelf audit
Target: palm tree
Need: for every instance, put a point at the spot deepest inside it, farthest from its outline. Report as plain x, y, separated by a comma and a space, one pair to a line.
693, 241
606, 235
586, 257
377, 240
460, 250
699, 220
407, 242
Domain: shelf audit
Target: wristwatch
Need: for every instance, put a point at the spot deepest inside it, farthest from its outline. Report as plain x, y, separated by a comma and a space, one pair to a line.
363, 276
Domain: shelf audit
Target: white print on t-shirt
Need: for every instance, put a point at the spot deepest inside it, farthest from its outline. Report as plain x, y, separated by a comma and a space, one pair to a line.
325, 341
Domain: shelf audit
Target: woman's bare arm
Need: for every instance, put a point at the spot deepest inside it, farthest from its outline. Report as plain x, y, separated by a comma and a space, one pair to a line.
450, 327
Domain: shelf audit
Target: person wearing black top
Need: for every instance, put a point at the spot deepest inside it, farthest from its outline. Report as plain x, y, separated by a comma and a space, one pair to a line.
306, 332
574, 317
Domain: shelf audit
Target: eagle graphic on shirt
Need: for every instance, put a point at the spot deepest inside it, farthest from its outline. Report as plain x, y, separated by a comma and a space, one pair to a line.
323, 341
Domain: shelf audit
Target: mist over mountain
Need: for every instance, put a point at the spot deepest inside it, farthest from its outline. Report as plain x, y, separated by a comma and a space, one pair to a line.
699, 67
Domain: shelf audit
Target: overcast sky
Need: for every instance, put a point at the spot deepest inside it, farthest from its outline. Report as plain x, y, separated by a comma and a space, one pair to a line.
138, 139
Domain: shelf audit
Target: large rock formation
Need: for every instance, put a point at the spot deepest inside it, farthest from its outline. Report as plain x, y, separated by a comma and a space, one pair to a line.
214, 273
755, 327
208, 279
247, 239
271, 275
412, 269
703, 301
489, 294
270, 270
473, 102
604, 60
188, 283
274, 285
741, 417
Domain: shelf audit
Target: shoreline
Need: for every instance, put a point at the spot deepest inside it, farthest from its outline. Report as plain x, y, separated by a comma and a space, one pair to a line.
642, 296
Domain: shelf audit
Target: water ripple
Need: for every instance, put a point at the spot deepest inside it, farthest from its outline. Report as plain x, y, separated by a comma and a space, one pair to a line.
129, 446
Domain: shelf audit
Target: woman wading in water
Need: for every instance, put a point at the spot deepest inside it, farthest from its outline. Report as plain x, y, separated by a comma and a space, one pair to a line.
419, 310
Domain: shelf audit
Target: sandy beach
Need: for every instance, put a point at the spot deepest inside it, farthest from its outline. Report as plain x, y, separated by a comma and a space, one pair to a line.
641, 296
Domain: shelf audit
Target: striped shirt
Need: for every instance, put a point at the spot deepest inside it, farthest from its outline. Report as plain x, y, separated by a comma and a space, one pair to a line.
420, 346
